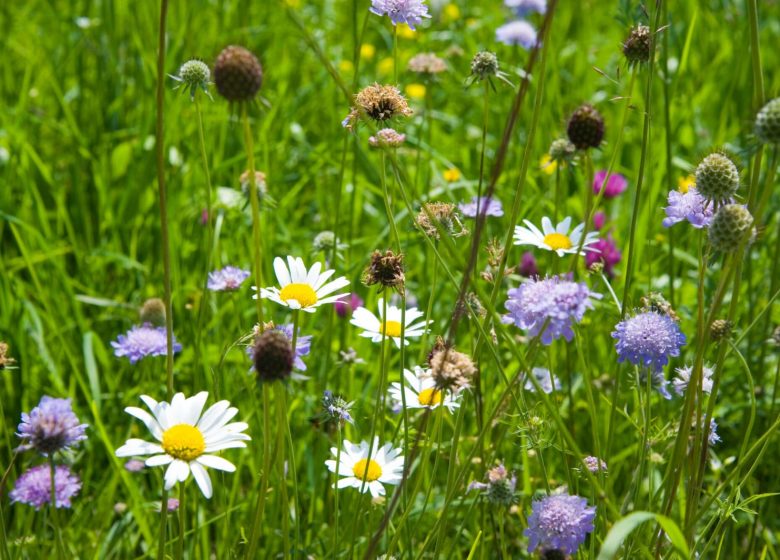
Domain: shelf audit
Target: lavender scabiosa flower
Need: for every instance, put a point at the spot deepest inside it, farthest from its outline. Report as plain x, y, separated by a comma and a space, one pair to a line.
227, 279
518, 32
34, 487
547, 381
500, 486
648, 339
50, 427
680, 383
552, 303
690, 206
594, 464
608, 254
336, 409
135, 465
522, 8
615, 185
409, 12
141, 341
487, 206
559, 522
712, 436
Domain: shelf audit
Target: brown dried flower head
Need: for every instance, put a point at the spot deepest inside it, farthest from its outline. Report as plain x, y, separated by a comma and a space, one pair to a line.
427, 63
5, 360
440, 216
379, 103
452, 370
385, 269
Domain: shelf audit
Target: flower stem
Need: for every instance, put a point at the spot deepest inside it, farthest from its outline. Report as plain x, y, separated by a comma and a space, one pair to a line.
182, 522
260, 505
256, 246
53, 511
163, 520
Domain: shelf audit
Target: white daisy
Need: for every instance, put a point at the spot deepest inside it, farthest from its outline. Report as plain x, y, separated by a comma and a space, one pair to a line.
301, 288
385, 466
421, 392
555, 238
186, 437
373, 326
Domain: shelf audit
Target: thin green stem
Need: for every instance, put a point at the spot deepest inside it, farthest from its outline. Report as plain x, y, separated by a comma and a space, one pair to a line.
255, 204
53, 509
254, 536
163, 523
182, 522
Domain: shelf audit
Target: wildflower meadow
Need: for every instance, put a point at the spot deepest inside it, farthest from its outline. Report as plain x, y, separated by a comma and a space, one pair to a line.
389, 279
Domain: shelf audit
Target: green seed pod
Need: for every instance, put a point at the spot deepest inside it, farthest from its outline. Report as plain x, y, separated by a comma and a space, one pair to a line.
717, 178
729, 227
767, 125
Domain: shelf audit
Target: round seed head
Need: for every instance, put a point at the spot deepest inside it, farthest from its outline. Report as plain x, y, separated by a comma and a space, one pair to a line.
195, 73
767, 125
562, 151
729, 227
636, 47
720, 329
153, 312
717, 178
484, 65
237, 74
586, 127
273, 356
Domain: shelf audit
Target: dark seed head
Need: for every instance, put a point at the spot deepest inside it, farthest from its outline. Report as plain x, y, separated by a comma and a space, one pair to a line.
238, 74
273, 356
586, 127
636, 47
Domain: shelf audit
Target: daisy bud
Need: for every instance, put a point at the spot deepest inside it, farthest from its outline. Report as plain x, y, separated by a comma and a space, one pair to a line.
385, 269
273, 356
767, 126
729, 227
720, 329
484, 65
636, 48
238, 74
717, 178
153, 312
586, 127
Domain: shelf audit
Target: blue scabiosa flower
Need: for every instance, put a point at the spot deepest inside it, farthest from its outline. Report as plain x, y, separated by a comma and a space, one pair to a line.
34, 487
487, 206
517, 32
227, 279
559, 522
713, 437
657, 381
547, 381
554, 301
524, 7
409, 12
594, 464
690, 206
141, 341
50, 427
648, 339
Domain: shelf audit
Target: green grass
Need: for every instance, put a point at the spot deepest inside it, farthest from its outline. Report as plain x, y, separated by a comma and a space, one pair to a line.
80, 250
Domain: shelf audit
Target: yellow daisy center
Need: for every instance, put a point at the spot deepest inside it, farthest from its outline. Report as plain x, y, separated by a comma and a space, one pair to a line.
302, 293
184, 442
367, 470
429, 397
390, 328
557, 241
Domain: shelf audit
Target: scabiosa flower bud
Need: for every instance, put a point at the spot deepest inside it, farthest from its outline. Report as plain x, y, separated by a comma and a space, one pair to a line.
594, 464
562, 151
717, 178
379, 103
427, 63
451, 370
767, 126
50, 427
34, 487
440, 215
560, 522
153, 312
648, 339
654, 301
527, 266
636, 47
484, 65
238, 74
273, 356
194, 75
720, 329
586, 127
500, 486
324, 241
386, 138
606, 253
335, 412
729, 227
385, 269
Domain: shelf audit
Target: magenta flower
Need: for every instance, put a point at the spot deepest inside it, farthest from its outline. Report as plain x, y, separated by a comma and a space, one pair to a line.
528, 267
347, 304
609, 255
616, 184
599, 219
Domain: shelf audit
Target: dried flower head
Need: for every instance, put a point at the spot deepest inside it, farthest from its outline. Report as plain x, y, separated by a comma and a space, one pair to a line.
452, 370
273, 356
385, 269
153, 312
5, 360
386, 138
260, 184
427, 63
636, 47
562, 151
435, 217
586, 127
238, 74
720, 329
500, 486
378, 102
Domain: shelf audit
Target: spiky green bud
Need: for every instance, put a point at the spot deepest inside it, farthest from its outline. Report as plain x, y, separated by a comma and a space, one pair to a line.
717, 178
153, 312
767, 125
729, 227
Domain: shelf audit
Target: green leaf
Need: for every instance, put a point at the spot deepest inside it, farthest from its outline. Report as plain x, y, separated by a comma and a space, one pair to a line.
120, 159
626, 525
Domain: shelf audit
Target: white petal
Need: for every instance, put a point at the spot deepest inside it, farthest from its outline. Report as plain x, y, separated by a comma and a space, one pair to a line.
563, 227
330, 287
193, 408
214, 462
213, 416
138, 447
364, 319
158, 460
313, 274
202, 478
177, 471
147, 419
317, 284
282, 274
547, 226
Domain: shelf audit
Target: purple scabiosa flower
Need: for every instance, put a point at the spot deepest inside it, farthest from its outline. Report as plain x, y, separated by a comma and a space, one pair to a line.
713, 437
34, 487
616, 183
409, 12
500, 486
50, 427
547, 381
134, 465
141, 341
689, 205
347, 304
599, 219
559, 522
594, 464
518, 32
527, 266
554, 301
680, 382
609, 255
336, 408
657, 381
522, 8
648, 339
487, 206
227, 279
